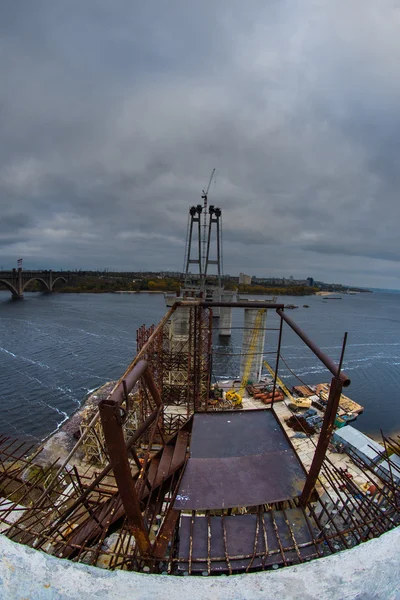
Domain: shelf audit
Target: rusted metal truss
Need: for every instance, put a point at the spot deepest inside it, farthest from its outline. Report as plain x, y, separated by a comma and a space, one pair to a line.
98, 531
123, 514
179, 358
74, 516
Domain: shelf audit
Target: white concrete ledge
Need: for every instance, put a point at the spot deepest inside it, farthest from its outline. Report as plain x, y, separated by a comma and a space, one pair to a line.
369, 571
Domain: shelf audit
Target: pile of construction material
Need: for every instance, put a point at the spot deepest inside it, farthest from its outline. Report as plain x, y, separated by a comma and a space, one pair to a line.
265, 393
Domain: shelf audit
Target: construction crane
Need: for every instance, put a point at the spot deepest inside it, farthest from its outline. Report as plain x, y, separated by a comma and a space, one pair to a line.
298, 402
279, 381
205, 198
236, 396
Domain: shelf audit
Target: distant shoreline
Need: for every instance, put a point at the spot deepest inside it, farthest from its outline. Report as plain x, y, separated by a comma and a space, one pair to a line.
252, 293
140, 292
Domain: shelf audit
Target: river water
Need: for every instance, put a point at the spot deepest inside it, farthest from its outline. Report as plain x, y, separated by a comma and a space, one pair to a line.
55, 348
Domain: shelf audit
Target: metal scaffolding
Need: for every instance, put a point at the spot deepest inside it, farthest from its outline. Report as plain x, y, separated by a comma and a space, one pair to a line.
179, 356
133, 511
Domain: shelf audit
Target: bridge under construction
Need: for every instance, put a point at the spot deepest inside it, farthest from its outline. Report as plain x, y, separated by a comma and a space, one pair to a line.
175, 483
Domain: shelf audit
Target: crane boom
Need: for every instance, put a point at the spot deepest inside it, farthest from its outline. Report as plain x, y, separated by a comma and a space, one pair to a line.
299, 402
279, 381
205, 198
209, 183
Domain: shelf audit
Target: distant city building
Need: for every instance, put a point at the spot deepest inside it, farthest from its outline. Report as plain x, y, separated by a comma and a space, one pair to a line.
171, 274
244, 279
310, 281
282, 281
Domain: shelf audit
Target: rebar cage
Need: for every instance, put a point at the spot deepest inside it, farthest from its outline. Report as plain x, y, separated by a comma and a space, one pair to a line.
125, 511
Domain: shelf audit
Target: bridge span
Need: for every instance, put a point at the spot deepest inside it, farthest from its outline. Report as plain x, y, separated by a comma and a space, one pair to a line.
17, 280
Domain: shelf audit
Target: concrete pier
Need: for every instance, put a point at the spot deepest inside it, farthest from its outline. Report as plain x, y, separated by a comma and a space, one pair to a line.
225, 319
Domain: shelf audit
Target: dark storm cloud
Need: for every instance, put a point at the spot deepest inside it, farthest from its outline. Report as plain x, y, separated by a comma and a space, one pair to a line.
16, 221
114, 114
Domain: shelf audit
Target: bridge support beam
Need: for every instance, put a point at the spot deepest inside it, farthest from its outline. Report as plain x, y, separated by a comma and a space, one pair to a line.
16, 280
17, 290
20, 287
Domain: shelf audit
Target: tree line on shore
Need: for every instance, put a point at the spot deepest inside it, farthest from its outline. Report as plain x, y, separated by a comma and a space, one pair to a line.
103, 284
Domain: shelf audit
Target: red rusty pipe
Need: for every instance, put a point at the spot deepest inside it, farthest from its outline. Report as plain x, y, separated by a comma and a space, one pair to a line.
138, 371
114, 437
324, 358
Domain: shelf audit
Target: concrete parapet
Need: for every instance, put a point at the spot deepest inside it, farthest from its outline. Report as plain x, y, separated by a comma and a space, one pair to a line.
368, 571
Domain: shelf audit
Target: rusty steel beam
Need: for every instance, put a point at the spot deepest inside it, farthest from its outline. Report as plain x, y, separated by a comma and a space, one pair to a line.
129, 382
324, 358
165, 533
119, 393
114, 436
129, 444
148, 378
335, 392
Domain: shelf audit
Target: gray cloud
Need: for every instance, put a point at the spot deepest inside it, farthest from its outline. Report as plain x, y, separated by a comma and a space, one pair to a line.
112, 117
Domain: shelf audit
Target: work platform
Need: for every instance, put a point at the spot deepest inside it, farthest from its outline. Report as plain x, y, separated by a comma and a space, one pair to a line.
237, 543
239, 458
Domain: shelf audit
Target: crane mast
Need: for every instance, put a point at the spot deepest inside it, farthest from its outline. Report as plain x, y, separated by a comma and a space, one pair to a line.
205, 198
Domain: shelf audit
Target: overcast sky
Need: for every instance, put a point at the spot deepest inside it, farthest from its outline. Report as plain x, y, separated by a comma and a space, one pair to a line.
113, 114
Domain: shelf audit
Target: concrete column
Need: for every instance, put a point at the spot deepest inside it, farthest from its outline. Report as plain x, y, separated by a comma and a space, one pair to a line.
216, 296
19, 285
225, 314
179, 329
250, 315
16, 281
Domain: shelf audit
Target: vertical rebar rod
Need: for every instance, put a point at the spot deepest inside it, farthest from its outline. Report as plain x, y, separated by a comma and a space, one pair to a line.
278, 353
323, 440
324, 358
335, 392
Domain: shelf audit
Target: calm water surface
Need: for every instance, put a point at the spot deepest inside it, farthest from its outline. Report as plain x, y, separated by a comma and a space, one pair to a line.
56, 348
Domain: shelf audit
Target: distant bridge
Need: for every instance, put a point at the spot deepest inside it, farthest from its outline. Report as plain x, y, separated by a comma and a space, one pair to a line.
17, 280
